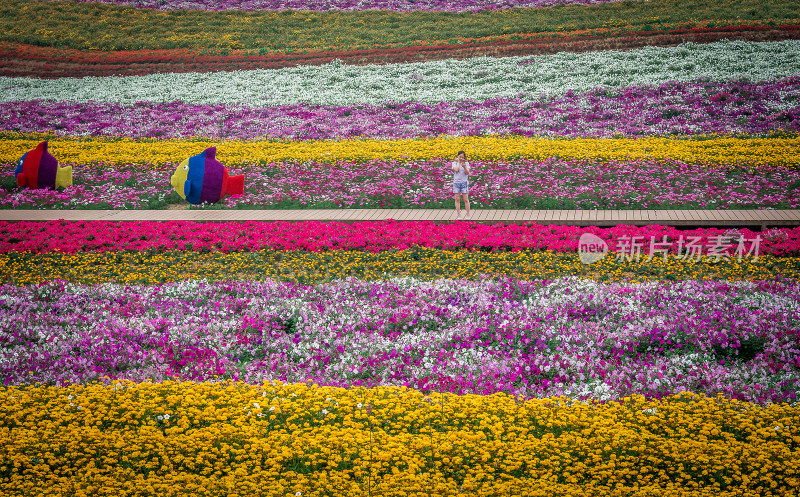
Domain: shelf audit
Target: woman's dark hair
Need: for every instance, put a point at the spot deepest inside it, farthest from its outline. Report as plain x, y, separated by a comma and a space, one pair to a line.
461, 152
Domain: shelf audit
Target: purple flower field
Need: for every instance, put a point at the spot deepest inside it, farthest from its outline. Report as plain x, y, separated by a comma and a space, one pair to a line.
96, 186
673, 108
524, 183
577, 338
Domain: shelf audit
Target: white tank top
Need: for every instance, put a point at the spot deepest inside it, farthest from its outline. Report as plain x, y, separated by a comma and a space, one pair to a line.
460, 176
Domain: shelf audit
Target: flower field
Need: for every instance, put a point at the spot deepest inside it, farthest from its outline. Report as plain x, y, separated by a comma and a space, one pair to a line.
580, 339
388, 357
155, 439
335, 84
374, 237
401, 358
734, 107
510, 172
132, 32
392, 184
655, 116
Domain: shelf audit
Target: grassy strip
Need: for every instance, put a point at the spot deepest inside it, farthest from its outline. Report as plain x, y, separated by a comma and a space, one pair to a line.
152, 267
302, 439
710, 149
108, 27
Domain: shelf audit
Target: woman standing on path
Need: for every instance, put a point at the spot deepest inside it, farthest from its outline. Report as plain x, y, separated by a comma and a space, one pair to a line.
461, 183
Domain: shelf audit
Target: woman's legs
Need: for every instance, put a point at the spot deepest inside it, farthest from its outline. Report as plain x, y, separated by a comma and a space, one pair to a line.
457, 198
466, 205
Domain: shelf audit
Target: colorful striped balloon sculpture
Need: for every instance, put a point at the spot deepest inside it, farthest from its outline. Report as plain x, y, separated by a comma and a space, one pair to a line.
39, 169
203, 178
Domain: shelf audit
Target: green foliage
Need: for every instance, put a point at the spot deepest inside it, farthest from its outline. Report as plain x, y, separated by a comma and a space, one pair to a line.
8, 183
747, 350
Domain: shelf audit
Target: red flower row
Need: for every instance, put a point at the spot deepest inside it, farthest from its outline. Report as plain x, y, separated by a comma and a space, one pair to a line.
28, 60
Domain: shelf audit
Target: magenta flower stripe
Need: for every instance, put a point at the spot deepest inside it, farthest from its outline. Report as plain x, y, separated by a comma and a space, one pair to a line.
312, 236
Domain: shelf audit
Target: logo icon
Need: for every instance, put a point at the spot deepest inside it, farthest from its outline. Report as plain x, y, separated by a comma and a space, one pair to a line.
591, 248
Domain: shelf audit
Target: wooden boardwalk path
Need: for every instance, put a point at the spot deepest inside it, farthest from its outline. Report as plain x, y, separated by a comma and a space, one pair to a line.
716, 218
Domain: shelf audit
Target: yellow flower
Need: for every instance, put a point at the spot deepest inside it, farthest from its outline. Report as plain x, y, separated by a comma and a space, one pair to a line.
711, 150
23, 268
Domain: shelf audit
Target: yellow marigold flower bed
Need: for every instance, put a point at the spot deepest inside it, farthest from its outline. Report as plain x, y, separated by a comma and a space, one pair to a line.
313, 267
301, 439
720, 150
